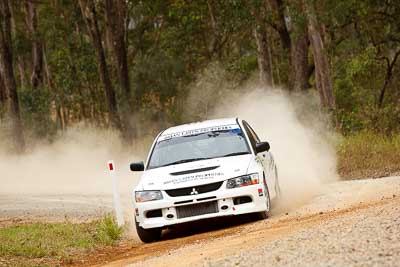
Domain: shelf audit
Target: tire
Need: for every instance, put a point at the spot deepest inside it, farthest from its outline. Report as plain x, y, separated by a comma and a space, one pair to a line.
265, 214
148, 235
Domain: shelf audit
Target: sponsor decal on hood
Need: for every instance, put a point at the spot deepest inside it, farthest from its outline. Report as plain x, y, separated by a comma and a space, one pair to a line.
229, 167
195, 177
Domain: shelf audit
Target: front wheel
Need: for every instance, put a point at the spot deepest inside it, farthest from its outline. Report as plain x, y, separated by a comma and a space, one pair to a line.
148, 235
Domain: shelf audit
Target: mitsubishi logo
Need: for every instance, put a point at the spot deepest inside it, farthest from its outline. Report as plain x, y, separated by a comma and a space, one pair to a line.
194, 192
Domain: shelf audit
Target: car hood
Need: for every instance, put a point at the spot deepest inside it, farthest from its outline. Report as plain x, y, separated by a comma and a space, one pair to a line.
194, 173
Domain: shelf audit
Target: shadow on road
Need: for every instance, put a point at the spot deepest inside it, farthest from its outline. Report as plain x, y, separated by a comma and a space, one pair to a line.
206, 225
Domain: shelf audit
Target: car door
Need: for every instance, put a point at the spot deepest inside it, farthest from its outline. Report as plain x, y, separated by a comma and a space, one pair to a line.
265, 157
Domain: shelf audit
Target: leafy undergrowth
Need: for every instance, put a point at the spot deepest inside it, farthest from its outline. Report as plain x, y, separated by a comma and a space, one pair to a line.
52, 244
369, 155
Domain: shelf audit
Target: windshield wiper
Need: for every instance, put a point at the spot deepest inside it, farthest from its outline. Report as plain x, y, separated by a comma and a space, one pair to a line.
183, 161
235, 154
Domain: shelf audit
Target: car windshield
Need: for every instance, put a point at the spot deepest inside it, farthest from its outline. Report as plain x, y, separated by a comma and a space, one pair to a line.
199, 146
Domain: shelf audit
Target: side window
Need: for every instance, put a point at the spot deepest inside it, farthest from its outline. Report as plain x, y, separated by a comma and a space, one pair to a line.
253, 141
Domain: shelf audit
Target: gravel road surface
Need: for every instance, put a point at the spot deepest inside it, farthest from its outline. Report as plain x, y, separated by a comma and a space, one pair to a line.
352, 223
52, 208
349, 223
370, 237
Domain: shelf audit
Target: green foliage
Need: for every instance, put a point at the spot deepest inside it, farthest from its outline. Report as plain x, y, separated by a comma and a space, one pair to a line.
356, 95
170, 43
36, 110
57, 239
243, 66
108, 231
157, 79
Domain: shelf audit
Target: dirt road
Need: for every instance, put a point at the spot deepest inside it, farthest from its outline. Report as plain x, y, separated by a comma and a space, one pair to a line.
352, 223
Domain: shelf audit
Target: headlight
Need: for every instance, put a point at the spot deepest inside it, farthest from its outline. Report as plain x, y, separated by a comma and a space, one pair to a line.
242, 181
143, 196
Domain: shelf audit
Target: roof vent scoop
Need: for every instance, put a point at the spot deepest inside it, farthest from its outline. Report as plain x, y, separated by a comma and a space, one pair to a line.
194, 170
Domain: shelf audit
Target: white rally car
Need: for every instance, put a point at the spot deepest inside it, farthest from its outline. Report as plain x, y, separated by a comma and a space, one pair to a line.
203, 170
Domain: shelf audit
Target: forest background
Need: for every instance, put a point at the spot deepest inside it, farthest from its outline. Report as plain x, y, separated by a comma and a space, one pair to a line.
131, 66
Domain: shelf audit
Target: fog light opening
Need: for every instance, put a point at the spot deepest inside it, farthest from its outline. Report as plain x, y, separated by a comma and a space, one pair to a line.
242, 200
224, 207
154, 213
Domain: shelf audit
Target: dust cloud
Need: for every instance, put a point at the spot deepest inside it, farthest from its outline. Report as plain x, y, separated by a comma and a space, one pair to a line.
76, 163
302, 143
299, 132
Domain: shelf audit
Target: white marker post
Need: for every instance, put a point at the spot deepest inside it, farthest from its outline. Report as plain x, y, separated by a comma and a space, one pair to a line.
117, 199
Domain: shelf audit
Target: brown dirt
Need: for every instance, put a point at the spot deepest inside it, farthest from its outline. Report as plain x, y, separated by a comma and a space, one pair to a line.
221, 241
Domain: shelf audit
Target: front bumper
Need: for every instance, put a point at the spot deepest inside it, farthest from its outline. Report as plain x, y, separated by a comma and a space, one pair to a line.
225, 206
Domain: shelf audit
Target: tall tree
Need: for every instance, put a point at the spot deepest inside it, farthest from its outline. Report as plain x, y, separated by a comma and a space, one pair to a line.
89, 14
3, 92
295, 40
215, 46
390, 64
259, 12
37, 47
323, 78
299, 67
115, 11
7, 73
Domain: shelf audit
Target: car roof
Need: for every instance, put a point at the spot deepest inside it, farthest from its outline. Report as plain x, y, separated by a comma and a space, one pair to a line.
200, 125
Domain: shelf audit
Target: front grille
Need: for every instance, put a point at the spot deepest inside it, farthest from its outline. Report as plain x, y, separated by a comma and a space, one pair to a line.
183, 202
200, 189
196, 209
206, 198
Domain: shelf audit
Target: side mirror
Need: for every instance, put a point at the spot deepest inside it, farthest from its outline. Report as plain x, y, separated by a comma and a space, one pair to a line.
137, 166
262, 147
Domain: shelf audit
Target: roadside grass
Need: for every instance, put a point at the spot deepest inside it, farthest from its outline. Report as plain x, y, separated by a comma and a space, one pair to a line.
41, 244
368, 155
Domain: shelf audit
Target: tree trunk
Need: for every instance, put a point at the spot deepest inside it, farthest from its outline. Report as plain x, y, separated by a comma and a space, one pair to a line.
264, 66
3, 93
7, 71
323, 77
299, 68
388, 77
115, 20
21, 70
214, 46
37, 48
258, 10
261, 37
279, 7
89, 14
296, 45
